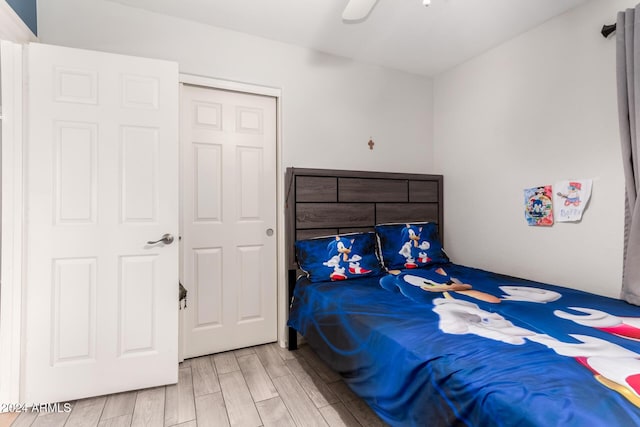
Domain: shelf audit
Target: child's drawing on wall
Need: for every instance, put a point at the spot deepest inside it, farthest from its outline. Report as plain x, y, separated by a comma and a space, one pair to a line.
571, 199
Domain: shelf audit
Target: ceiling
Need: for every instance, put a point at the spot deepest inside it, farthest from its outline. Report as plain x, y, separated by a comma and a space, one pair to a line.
400, 34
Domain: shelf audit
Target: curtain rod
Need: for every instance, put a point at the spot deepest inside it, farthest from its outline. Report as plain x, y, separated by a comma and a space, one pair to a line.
607, 30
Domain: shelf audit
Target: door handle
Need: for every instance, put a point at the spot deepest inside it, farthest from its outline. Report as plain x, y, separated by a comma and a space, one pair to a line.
167, 239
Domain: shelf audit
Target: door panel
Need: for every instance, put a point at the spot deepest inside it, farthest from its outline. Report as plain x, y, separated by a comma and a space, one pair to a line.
74, 331
207, 283
229, 203
101, 175
76, 168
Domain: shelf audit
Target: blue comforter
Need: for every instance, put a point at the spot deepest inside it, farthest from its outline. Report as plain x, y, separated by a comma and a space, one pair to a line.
462, 346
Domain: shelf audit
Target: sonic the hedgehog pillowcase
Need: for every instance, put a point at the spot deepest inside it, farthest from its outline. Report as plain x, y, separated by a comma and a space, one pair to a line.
338, 258
410, 245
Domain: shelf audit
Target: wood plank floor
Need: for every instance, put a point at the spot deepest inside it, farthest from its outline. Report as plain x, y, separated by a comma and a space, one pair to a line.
251, 387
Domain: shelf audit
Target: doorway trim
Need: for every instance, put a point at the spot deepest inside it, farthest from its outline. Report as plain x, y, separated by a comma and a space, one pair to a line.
276, 93
12, 222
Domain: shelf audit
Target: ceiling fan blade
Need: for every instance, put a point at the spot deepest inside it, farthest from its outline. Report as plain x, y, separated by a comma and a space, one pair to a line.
358, 10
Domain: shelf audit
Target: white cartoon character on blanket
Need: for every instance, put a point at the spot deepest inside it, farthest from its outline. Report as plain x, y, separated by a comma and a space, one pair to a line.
451, 284
612, 365
341, 258
626, 327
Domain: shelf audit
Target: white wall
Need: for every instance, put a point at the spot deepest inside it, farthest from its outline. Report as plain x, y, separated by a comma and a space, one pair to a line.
537, 109
331, 106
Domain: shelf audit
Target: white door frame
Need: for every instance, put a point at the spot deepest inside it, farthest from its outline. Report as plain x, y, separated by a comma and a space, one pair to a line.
276, 93
12, 223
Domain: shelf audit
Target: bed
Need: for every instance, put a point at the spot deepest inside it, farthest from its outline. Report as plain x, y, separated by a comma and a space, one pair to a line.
445, 344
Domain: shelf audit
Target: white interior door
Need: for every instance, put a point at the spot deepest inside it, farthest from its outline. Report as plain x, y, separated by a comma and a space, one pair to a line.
229, 215
101, 173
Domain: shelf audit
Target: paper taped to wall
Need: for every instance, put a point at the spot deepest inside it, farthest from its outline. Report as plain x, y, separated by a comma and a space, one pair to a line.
571, 198
538, 205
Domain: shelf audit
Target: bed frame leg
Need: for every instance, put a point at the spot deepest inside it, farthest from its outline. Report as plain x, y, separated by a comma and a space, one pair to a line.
293, 334
293, 339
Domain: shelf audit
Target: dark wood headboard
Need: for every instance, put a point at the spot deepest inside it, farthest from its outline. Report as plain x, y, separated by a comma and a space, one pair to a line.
322, 202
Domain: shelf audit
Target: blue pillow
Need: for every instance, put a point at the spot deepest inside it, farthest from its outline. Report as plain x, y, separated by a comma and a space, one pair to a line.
410, 245
336, 258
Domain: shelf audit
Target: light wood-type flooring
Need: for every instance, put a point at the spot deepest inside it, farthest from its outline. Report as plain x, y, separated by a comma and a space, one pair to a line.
258, 386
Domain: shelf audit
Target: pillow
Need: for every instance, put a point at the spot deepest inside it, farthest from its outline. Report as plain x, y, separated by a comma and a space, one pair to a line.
410, 245
342, 257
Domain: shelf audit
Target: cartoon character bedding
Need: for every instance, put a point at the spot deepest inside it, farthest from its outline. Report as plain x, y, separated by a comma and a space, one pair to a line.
445, 344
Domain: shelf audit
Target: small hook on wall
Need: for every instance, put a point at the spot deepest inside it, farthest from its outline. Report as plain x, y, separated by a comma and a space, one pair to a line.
371, 143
